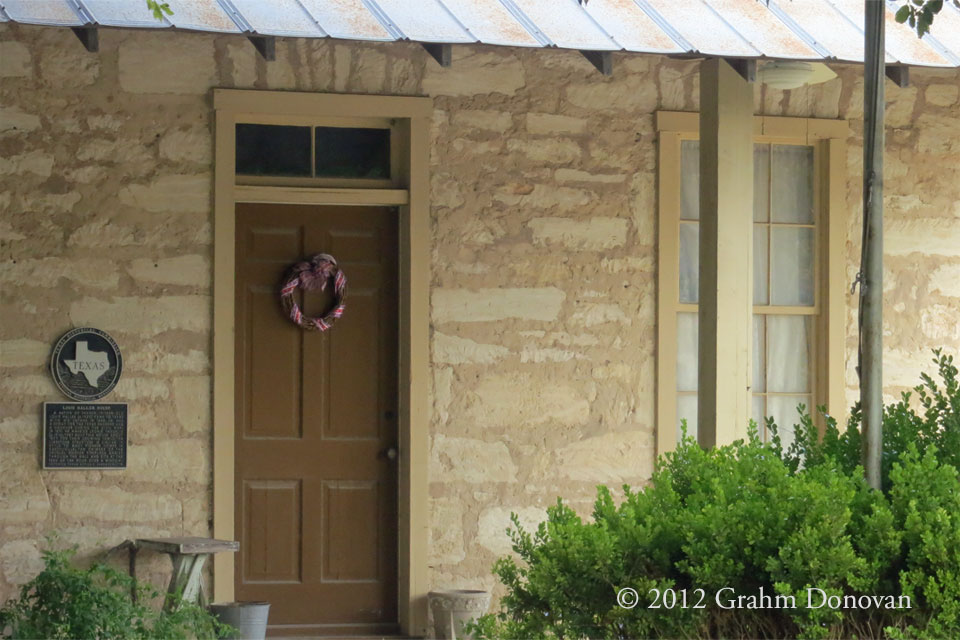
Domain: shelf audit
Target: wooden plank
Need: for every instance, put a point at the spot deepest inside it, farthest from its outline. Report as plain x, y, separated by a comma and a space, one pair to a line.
188, 545
328, 195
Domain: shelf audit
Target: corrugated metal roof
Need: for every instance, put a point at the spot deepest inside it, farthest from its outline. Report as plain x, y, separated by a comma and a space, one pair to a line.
778, 29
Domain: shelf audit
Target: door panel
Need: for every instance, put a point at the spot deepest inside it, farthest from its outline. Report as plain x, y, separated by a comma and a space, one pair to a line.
316, 495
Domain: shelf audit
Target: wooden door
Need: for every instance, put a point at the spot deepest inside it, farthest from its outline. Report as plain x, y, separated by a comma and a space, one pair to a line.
316, 427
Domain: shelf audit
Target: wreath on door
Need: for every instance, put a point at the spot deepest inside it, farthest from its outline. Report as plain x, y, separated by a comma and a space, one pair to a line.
314, 274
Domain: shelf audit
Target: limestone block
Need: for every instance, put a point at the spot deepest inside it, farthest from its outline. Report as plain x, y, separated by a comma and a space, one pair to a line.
900, 106
497, 121
20, 561
23, 496
190, 145
945, 280
633, 93
59, 70
494, 522
167, 63
144, 316
7, 232
20, 429
44, 272
639, 264
446, 527
23, 352
594, 313
153, 359
942, 95
101, 233
341, 67
36, 162
445, 191
612, 459
519, 400
132, 388
244, 62
547, 151
575, 175
166, 461
939, 322
190, 270
369, 70
120, 152
484, 305
549, 354
442, 386
931, 236
937, 134
474, 461
550, 124
174, 194
14, 120
449, 349
593, 234
404, 77
119, 505
96, 538
542, 196
191, 394
27, 385
902, 367
14, 60
475, 73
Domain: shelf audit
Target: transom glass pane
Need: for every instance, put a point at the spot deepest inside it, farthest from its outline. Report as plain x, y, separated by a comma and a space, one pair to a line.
351, 152
792, 187
273, 150
690, 180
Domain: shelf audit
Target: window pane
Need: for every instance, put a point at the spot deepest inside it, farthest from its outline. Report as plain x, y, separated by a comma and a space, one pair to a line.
788, 353
761, 261
791, 255
792, 184
273, 150
784, 412
352, 152
690, 180
689, 262
761, 182
687, 351
759, 353
687, 410
757, 412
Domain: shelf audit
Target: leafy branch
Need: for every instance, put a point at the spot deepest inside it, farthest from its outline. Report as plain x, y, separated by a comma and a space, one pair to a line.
159, 8
919, 14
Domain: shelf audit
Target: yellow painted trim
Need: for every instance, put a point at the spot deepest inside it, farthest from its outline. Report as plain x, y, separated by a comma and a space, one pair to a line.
668, 290
306, 195
411, 123
829, 140
765, 128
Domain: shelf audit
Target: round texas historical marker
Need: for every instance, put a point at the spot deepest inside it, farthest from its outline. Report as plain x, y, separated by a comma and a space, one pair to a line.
86, 364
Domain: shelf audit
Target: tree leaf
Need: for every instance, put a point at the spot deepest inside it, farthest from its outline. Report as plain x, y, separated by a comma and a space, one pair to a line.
904, 12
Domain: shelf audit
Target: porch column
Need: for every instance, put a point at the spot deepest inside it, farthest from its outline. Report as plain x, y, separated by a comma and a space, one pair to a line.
726, 253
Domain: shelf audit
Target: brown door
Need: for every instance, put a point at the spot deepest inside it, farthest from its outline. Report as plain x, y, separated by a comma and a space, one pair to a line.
316, 480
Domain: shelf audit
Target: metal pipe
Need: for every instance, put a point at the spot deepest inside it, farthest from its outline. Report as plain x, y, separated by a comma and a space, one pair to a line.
871, 257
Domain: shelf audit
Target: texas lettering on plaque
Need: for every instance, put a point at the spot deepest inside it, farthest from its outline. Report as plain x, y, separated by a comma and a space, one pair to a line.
92, 364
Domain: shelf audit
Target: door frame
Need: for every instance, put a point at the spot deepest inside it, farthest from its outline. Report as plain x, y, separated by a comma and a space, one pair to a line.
410, 117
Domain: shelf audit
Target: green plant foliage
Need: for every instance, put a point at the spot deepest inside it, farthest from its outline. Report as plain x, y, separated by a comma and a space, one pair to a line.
66, 602
919, 14
750, 518
159, 8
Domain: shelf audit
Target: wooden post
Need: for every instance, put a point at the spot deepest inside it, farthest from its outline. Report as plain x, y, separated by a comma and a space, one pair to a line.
871, 257
726, 253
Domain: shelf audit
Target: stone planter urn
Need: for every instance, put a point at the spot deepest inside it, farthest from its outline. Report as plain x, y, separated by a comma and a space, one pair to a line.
453, 609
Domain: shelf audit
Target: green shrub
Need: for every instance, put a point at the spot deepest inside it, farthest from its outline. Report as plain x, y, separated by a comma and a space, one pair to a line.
65, 602
746, 519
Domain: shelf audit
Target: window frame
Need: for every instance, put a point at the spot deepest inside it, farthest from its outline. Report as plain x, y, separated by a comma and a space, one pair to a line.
828, 139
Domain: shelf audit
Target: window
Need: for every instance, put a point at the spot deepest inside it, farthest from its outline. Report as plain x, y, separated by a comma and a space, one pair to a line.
797, 354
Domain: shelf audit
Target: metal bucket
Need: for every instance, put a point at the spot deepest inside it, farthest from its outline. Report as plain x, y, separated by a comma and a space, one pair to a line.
248, 618
453, 609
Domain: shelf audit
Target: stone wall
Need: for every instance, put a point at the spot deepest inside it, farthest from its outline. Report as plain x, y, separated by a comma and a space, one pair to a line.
544, 265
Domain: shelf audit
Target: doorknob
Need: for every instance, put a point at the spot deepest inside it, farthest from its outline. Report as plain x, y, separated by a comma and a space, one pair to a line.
392, 453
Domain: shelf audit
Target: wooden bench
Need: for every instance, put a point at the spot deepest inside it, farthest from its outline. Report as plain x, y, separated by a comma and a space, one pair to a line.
188, 556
